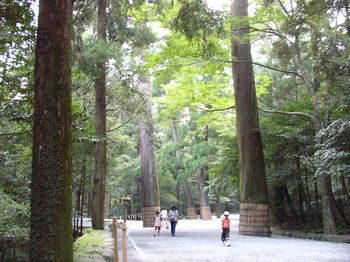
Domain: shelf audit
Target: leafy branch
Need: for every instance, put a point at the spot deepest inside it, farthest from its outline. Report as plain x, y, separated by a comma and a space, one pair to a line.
286, 113
14, 134
116, 128
261, 109
246, 62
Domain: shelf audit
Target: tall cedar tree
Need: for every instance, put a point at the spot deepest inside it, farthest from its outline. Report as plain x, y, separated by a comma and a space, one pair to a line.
191, 213
99, 183
149, 180
51, 200
253, 187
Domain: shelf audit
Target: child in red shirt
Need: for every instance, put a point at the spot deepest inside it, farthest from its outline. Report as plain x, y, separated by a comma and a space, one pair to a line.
225, 225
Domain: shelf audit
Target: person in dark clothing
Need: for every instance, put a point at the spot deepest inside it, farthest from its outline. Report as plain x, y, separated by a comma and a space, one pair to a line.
173, 218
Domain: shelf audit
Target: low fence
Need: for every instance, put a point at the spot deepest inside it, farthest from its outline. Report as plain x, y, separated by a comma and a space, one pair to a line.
130, 217
115, 226
77, 226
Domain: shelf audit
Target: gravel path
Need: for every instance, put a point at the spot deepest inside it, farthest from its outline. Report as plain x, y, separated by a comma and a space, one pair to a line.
198, 240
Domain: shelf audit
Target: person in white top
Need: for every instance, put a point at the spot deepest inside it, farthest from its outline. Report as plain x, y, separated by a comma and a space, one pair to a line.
164, 218
157, 223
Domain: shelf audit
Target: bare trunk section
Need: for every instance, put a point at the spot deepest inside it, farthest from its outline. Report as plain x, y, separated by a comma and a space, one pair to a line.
191, 211
217, 206
308, 199
99, 182
344, 189
290, 203
329, 227
81, 189
313, 84
82, 195
149, 181
279, 212
253, 187
89, 204
205, 212
301, 191
51, 195
203, 195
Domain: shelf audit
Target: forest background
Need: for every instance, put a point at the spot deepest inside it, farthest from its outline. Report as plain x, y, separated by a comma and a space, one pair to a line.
182, 49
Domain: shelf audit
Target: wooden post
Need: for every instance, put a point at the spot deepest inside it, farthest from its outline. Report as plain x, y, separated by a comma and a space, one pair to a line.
115, 237
205, 213
191, 212
125, 243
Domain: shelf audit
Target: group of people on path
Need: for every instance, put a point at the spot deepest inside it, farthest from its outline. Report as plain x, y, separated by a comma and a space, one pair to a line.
162, 220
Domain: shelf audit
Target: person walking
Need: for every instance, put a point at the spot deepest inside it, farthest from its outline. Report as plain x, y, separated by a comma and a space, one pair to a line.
164, 218
157, 223
173, 217
225, 226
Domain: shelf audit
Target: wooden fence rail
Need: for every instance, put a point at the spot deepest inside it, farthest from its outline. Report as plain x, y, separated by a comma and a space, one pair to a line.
115, 226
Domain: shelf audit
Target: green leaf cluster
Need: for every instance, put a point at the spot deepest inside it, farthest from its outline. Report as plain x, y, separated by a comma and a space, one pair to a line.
333, 151
14, 219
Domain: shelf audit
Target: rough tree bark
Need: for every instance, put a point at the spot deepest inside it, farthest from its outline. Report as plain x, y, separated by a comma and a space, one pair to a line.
51, 195
191, 211
149, 180
203, 195
99, 181
301, 191
178, 155
254, 216
344, 189
329, 226
312, 84
279, 212
205, 212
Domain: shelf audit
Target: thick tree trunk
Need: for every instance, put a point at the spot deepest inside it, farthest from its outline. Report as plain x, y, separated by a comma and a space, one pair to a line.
253, 187
290, 204
80, 189
205, 212
191, 211
203, 195
150, 189
217, 206
89, 205
301, 191
344, 189
313, 85
347, 16
82, 195
99, 187
329, 227
77, 195
51, 195
179, 154
308, 198
279, 213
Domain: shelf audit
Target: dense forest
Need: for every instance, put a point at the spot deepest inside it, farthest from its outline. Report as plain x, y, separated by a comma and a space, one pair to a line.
183, 103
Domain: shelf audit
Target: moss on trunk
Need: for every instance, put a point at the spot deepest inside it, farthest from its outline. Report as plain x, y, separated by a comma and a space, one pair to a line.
51, 195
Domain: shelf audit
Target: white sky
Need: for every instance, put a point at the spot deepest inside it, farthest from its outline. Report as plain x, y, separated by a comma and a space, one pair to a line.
219, 4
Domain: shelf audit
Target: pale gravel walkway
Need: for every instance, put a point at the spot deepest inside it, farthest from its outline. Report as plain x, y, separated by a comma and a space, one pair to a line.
198, 240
